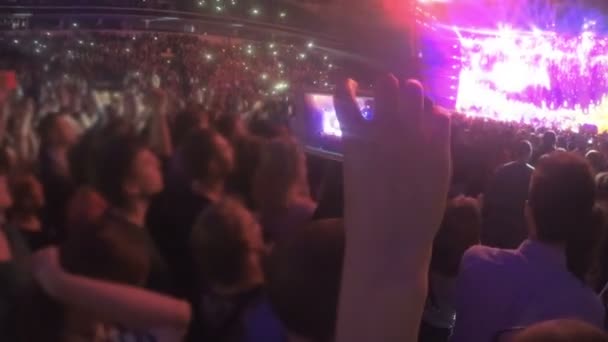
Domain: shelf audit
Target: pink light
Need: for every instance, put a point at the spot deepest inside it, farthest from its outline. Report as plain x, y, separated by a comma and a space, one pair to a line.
521, 76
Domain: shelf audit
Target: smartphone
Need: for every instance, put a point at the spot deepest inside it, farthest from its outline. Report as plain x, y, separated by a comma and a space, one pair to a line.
323, 110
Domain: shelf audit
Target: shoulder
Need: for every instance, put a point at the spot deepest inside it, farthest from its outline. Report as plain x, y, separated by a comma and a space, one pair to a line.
482, 257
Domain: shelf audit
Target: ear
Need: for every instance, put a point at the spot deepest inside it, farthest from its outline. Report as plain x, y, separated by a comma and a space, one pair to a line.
530, 220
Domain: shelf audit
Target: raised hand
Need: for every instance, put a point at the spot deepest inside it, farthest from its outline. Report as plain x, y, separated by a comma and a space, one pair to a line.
396, 172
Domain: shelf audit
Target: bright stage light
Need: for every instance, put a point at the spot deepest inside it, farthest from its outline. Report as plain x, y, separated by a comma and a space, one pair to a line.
534, 75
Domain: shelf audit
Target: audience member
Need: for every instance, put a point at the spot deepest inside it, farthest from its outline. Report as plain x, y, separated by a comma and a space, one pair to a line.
207, 161
280, 188
57, 136
304, 272
228, 248
460, 229
28, 201
547, 146
130, 175
533, 283
504, 224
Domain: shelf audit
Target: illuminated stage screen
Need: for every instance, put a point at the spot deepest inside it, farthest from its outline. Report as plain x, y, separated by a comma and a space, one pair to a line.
533, 77
322, 107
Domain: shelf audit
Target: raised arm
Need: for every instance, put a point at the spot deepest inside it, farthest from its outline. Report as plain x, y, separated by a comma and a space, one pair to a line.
396, 174
133, 307
159, 133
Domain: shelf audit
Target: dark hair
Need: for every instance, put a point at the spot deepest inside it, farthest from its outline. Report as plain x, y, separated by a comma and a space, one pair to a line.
227, 125
197, 152
562, 195
219, 245
115, 165
303, 280
186, 121
45, 126
523, 149
596, 160
549, 138
460, 229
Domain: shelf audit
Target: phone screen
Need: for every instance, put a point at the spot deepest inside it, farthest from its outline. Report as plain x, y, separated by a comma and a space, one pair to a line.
322, 106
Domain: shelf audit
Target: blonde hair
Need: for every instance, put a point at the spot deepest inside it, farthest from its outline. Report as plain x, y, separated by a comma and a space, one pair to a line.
281, 176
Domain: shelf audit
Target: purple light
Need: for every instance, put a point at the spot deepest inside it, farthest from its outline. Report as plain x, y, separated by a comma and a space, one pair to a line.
533, 75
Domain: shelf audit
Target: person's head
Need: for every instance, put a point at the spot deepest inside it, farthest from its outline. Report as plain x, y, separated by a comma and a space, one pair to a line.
549, 139
460, 229
564, 330
601, 182
57, 130
231, 126
188, 120
561, 197
523, 151
596, 160
280, 177
28, 196
303, 279
128, 171
207, 157
227, 245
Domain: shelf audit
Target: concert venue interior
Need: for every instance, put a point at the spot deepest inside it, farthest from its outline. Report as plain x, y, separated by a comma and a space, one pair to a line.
547, 65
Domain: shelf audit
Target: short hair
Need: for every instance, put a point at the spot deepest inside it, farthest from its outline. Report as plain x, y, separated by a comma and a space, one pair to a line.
562, 195
115, 165
549, 138
186, 121
46, 125
198, 150
596, 160
601, 182
564, 330
219, 243
523, 149
460, 229
303, 278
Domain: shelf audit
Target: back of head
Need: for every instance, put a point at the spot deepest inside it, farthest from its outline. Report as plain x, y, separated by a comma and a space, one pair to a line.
562, 195
460, 229
549, 138
596, 160
523, 150
114, 167
303, 280
280, 176
561, 331
222, 240
186, 121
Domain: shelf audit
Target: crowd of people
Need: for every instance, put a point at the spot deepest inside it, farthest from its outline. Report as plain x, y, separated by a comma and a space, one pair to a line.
176, 205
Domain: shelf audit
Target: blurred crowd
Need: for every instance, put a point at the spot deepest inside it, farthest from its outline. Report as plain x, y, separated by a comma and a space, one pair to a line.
151, 189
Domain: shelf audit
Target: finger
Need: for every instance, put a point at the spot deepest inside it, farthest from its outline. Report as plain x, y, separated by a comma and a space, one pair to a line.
439, 125
411, 104
347, 109
386, 103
